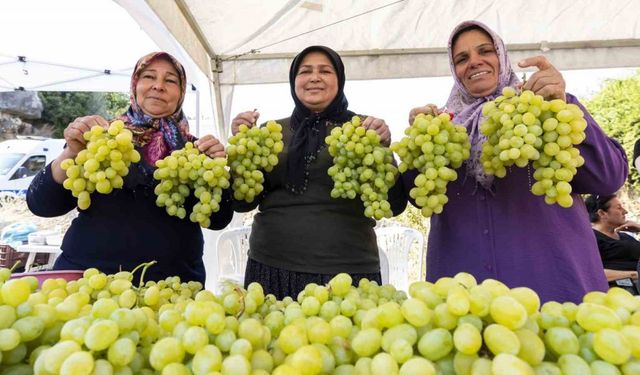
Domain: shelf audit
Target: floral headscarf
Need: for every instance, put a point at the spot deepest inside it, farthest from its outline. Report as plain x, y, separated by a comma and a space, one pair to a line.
468, 109
157, 136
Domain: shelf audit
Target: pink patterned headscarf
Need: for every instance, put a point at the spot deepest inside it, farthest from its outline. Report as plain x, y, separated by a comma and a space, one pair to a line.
468, 109
157, 136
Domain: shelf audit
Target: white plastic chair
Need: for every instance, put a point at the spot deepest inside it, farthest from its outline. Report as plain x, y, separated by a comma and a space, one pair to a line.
395, 243
232, 247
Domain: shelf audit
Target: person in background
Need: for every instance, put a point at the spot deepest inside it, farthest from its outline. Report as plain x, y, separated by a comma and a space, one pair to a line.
495, 227
620, 252
125, 228
300, 234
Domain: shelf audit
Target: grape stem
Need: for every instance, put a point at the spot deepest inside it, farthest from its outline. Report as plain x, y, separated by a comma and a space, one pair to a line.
15, 265
239, 291
144, 270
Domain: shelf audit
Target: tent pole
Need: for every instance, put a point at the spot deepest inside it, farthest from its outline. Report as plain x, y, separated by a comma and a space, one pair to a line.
219, 111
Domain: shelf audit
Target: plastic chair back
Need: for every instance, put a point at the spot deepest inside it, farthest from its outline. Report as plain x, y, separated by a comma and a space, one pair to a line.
395, 243
232, 247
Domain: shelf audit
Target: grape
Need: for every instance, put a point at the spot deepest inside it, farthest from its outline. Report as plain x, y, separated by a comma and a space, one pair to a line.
101, 334
187, 170
435, 147
307, 360
417, 366
367, 342
361, 167
207, 359
612, 346
467, 339
435, 344
14, 292
508, 364
78, 363
251, 151
102, 164
189, 331
508, 311
526, 128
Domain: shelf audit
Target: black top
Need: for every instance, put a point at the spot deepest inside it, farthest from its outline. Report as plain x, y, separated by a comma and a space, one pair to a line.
122, 229
312, 232
622, 254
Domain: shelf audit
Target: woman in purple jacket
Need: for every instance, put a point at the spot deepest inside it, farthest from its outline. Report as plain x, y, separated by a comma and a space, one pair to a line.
495, 227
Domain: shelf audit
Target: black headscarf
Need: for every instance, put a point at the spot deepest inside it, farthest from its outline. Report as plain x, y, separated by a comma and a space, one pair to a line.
310, 129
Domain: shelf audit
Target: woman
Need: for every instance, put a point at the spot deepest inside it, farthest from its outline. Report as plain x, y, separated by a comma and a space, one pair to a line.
301, 234
122, 229
619, 251
495, 227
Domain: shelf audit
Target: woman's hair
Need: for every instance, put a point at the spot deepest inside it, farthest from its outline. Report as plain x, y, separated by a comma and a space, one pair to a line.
463, 30
597, 202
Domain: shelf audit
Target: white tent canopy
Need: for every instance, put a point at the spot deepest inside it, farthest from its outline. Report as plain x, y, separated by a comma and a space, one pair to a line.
252, 41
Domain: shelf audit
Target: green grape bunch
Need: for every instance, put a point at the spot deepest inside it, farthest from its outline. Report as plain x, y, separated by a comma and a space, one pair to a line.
251, 151
102, 164
361, 167
435, 147
187, 170
526, 128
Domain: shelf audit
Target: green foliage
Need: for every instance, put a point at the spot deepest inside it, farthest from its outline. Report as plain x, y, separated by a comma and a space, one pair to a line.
60, 108
117, 103
617, 110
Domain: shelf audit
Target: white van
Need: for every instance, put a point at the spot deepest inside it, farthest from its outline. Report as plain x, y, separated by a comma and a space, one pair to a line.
21, 159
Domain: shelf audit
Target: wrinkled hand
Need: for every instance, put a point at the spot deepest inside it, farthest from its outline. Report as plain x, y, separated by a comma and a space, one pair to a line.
380, 127
73, 133
249, 118
629, 226
210, 146
547, 81
429, 109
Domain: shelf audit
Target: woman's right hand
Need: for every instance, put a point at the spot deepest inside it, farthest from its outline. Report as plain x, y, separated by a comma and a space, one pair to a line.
74, 136
429, 109
248, 118
74, 132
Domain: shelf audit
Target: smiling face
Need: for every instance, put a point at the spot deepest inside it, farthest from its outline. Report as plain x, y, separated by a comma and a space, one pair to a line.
476, 62
316, 83
158, 89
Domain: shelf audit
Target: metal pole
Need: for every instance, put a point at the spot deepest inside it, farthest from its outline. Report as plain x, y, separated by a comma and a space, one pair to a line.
219, 111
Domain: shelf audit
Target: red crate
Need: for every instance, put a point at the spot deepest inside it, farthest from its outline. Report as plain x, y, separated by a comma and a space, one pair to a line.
9, 256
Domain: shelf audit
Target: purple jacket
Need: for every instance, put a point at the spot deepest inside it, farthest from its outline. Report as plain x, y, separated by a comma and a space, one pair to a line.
513, 236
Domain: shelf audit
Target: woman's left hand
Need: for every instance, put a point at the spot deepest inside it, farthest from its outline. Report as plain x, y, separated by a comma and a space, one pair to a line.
547, 81
210, 146
380, 127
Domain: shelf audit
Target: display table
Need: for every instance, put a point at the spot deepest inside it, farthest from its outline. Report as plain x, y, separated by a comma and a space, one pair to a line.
35, 249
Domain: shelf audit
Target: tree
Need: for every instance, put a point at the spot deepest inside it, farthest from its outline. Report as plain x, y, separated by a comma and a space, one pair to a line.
617, 110
60, 108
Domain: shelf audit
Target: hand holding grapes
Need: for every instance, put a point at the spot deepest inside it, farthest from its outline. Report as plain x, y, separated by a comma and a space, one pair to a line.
547, 81
73, 134
210, 146
429, 109
248, 118
380, 127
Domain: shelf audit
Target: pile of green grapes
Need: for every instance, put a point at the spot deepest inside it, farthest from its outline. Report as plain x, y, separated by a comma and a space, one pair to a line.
187, 170
102, 164
103, 324
361, 167
523, 128
435, 147
251, 151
